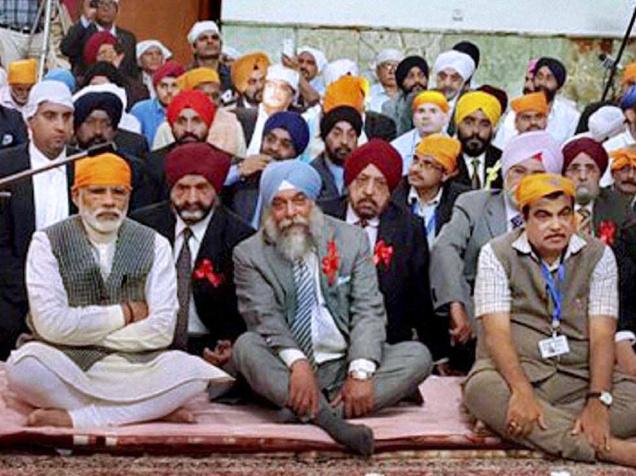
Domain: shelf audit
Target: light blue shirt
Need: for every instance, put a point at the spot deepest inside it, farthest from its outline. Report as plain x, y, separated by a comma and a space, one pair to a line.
337, 172
151, 114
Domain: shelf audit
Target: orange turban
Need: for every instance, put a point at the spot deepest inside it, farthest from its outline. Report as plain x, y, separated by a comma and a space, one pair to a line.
530, 102
197, 76
534, 187
629, 74
443, 149
431, 97
23, 72
346, 91
103, 169
622, 158
243, 67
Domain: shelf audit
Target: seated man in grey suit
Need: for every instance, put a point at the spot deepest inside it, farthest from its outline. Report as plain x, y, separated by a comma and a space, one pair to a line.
308, 291
479, 216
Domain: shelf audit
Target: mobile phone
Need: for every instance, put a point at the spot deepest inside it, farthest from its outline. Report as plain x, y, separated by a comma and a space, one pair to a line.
289, 47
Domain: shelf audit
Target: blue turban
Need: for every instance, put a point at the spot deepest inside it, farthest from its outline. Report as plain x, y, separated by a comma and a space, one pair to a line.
293, 123
299, 174
628, 101
63, 76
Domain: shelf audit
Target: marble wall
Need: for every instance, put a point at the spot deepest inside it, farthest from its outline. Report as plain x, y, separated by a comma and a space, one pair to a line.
503, 56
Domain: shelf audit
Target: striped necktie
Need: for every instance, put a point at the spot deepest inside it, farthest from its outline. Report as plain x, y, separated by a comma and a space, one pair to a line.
184, 279
584, 221
305, 301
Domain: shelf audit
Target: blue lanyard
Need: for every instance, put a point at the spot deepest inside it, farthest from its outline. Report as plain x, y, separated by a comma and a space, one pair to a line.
555, 292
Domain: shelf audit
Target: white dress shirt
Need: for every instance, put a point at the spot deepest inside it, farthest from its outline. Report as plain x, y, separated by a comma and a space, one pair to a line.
426, 211
254, 146
195, 325
50, 190
405, 145
371, 228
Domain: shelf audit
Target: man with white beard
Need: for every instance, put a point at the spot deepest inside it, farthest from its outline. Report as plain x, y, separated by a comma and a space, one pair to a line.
308, 291
103, 309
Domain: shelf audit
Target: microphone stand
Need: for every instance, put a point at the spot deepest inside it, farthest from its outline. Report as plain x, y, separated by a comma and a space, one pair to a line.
25, 174
610, 80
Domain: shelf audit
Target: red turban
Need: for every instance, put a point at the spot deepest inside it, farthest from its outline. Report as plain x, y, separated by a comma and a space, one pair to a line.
379, 153
91, 48
198, 158
592, 148
196, 100
170, 69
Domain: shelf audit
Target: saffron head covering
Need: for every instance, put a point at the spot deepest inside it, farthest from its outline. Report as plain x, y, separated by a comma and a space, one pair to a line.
23, 72
379, 153
590, 147
104, 169
191, 100
198, 158
289, 173
533, 188
242, 68
475, 100
431, 97
197, 76
538, 145
622, 158
293, 123
346, 91
536, 102
443, 149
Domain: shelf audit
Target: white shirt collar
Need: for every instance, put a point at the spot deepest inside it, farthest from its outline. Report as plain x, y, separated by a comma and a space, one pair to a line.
576, 244
198, 229
511, 210
353, 218
413, 197
38, 159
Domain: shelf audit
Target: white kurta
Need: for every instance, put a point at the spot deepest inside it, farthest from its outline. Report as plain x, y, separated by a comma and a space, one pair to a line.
113, 379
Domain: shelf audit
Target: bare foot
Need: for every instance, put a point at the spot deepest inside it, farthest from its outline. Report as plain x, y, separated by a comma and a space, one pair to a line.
59, 418
180, 415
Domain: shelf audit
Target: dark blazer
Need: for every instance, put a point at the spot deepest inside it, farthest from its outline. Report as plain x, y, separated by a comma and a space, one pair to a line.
328, 190
13, 130
247, 117
625, 251
404, 283
73, 46
612, 206
131, 143
450, 191
17, 224
379, 126
493, 154
155, 170
216, 306
242, 197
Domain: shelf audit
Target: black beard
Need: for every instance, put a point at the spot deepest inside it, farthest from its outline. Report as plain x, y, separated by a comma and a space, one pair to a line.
97, 140
549, 94
474, 146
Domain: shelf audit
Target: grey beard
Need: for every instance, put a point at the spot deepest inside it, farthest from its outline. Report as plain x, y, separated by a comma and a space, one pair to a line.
296, 242
584, 196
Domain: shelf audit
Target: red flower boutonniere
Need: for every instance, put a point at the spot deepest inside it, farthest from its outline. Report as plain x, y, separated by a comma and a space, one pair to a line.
382, 253
607, 232
331, 262
206, 271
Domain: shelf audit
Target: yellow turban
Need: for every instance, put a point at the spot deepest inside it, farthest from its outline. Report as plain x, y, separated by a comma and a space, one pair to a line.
476, 100
104, 169
431, 97
534, 187
346, 91
243, 67
197, 76
530, 102
622, 158
23, 72
443, 149
629, 74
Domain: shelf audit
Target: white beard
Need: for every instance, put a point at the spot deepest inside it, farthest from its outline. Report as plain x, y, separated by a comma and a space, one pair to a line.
298, 237
101, 229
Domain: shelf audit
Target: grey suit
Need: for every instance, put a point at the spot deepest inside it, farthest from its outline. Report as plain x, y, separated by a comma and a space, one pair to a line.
477, 218
267, 301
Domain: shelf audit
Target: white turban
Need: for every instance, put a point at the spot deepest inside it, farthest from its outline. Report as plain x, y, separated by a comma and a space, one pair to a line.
201, 27
460, 62
606, 122
389, 54
55, 92
282, 73
3, 77
534, 144
231, 52
145, 45
339, 68
319, 56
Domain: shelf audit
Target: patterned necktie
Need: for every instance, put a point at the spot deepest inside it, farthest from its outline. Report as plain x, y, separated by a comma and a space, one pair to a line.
305, 300
475, 182
184, 279
516, 221
362, 223
584, 221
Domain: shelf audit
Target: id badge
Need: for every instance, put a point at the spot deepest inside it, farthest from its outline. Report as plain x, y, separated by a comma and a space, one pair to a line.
554, 346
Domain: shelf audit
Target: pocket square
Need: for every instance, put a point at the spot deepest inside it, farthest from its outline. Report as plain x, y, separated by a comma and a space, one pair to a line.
343, 280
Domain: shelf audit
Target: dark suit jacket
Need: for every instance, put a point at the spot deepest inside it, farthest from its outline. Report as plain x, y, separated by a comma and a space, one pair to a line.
247, 118
73, 46
216, 306
242, 197
155, 170
450, 191
328, 190
13, 130
612, 206
625, 251
493, 154
17, 224
131, 143
379, 126
404, 283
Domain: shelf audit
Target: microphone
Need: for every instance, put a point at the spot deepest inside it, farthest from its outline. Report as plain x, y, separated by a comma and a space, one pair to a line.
608, 62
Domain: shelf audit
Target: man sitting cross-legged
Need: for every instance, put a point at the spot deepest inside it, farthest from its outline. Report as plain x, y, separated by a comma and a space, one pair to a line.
103, 308
308, 291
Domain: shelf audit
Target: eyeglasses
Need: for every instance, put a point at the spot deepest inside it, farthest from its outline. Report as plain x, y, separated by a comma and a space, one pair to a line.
427, 165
